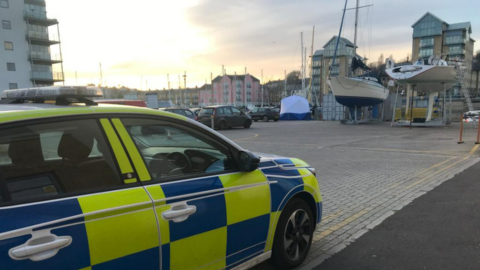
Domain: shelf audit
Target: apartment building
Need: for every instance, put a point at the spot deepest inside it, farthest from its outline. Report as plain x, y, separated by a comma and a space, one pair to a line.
31, 53
434, 36
234, 90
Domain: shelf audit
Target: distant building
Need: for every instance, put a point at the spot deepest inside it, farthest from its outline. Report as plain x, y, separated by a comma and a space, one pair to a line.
433, 36
237, 90
317, 69
186, 97
341, 67
31, 53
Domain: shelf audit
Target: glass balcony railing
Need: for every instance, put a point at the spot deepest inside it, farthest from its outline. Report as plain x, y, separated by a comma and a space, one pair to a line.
42, 35
34, 55
455, 40
45, 75
35, 14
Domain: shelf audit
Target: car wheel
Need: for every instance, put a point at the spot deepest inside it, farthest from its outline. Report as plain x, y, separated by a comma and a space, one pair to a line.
265, 118
222, 125
293, 236
256, 120
276, 120
248, 123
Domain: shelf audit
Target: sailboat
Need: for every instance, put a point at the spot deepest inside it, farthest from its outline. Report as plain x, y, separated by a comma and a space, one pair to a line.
427, 78
356, 92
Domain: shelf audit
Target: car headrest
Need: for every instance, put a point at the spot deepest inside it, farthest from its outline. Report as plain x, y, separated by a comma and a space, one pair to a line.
26, 151
76, 146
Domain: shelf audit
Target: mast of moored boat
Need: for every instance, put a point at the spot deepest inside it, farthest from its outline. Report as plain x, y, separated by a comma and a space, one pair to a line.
338, 39
355, 37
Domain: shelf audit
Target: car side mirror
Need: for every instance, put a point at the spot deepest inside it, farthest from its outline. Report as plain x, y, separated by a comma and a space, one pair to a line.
248, 161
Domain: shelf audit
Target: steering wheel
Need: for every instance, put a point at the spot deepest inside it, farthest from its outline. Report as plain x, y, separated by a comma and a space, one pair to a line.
173, 163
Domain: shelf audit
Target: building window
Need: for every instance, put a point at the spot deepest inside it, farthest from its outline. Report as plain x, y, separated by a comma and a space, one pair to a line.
428, 26
456, 50
454, 37
12, 86
4, 3
426, 42
6, 25
8, 45
425, 53
11, 67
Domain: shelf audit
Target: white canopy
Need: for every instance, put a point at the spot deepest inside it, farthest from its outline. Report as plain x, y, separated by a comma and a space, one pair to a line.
295, 108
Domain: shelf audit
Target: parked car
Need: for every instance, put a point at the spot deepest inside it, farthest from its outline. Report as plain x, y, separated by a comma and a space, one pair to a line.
195, 111
265, 114
89, 186
184, 112
224, 117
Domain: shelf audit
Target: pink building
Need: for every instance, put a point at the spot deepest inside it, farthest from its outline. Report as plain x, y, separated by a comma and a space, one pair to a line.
231, 90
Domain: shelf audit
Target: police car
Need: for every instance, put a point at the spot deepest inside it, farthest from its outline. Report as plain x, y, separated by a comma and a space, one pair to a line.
98, 186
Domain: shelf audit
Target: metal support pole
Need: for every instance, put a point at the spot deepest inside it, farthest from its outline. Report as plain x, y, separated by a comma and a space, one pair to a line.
211, 81
411, 106
185, 87
460, 141
478, 132
395, 106
355, 115
444, 108
60, 49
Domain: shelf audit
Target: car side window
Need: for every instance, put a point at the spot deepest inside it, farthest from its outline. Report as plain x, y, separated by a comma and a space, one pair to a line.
188, 113
51, 160
227, 111
171, 150
236, 111
219, 111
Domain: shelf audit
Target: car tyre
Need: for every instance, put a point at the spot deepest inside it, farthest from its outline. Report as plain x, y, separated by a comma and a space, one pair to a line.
293, 235
256, 120
276, 120
248, 123
222, 125
265, 118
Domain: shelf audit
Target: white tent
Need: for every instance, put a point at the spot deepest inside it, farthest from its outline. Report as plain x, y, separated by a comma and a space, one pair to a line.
295, 108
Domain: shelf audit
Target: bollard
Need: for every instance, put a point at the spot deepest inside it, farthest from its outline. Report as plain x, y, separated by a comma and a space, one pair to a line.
461, 130
478, 131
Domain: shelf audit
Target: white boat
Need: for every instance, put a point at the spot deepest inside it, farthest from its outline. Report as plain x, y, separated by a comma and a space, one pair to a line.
426, 78
358, 92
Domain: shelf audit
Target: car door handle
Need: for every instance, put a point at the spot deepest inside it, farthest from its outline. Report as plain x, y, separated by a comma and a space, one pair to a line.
37, 249
179, 212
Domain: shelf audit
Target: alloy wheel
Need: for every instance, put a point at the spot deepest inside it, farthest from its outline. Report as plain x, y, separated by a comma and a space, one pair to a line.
297, 234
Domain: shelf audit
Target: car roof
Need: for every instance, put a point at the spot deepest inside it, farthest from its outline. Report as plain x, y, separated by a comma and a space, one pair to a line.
216, 106
26, 111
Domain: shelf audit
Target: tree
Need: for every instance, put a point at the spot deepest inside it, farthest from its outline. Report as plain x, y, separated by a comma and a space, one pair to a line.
476, 68
294, 77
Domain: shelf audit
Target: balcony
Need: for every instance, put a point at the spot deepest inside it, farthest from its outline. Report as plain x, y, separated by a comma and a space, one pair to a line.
43, 58
455, 40
36, 2
38, 18
41, 38
43, 77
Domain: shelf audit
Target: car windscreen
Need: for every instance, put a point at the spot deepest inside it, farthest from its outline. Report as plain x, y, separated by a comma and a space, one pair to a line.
206, 111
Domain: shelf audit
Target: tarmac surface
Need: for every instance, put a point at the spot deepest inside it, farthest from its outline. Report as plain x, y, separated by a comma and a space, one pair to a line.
440, 230
367, 173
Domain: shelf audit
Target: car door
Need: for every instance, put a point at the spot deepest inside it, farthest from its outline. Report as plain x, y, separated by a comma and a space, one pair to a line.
71, 199
239, 117
231, 119
210, 214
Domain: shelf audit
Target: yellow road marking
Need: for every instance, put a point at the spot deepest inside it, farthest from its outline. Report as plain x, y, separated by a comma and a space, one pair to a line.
391, 150
256, 135
433, 175
333, 228
334, 215
474, 149
424, 171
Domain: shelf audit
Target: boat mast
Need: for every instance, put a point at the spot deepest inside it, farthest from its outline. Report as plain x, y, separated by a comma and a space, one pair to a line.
355, 37
301, 53
338, 38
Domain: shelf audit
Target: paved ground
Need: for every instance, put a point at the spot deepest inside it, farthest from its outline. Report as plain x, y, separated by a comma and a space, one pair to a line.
366, 172
437, 231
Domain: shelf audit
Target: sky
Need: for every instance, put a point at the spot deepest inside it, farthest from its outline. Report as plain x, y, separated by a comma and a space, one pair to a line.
139, 42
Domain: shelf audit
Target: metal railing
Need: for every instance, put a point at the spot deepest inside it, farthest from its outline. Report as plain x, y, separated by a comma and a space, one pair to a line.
45, 75
35, 55
42, 35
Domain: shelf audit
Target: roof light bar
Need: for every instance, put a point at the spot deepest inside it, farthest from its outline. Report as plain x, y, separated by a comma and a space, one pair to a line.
52, 93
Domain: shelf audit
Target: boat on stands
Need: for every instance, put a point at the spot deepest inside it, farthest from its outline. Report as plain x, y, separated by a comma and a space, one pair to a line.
426, 78
361, 91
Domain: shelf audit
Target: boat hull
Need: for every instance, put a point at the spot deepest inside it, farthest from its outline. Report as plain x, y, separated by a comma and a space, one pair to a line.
357, 92
427, 79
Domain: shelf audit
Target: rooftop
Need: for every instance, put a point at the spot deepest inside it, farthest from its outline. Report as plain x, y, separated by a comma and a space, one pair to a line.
237, 77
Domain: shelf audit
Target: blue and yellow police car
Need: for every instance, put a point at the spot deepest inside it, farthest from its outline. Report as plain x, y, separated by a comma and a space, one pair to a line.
96, 186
